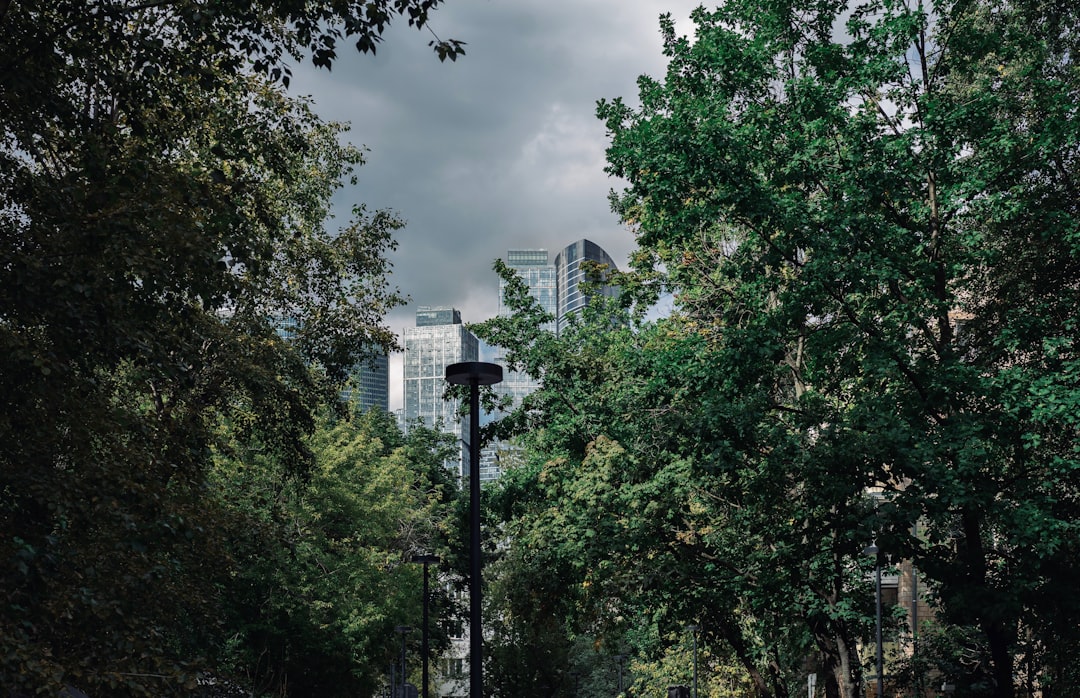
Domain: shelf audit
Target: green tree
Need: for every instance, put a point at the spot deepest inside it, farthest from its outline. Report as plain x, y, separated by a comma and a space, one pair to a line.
869, 218
631, 514
320, 579
163, 209
865, 215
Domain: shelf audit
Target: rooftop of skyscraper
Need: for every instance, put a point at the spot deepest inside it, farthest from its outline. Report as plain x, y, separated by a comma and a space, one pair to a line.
427, 316
526, 258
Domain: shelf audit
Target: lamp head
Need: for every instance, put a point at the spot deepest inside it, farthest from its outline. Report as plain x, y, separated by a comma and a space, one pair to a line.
474, 373
425, 559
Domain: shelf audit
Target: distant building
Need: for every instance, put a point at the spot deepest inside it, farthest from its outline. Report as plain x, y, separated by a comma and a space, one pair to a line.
535, 268
556, 288
438, 340
369, 379
286, 327
369, 383
570, 275
427, 316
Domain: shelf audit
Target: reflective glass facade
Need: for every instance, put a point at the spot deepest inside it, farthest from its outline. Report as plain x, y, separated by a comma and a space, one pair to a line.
429, 349
569, 275
536, 270
369, 384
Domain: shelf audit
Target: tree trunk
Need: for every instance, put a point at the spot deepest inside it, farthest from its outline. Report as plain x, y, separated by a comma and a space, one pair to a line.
991, 622
779, 686
734, 638
841, 672
847, 672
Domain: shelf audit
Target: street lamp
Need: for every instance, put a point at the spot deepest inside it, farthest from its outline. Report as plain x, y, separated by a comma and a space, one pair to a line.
693, 631
403, 630
619, 659
474, 374
873, 549
425, 560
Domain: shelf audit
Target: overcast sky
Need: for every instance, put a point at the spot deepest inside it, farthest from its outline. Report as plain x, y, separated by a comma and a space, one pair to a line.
500, 150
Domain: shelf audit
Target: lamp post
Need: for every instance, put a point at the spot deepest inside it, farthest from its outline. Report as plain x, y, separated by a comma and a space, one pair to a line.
619, 659
693, 631
474, 374
873, 549
403, 631
915, 617
425, 560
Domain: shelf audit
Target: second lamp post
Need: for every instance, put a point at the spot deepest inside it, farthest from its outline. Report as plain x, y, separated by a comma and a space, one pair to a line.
873, 549
693, 631
403, 630
425, 560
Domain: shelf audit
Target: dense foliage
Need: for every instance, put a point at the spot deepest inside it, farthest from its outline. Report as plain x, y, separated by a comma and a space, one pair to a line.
318, 580
163, 209
868, 216
631, 518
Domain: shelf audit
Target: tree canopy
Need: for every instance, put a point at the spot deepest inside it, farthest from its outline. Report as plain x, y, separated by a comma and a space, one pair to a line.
867, 215
164, 213
318, 577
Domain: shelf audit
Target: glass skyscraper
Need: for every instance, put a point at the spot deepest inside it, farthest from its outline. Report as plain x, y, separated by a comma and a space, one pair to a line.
369, 383
369, 380
438, 340
536, 270
534, 267
569, 275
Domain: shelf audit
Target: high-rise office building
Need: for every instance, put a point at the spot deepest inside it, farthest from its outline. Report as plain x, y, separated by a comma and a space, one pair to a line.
438, 340
556, 288
369, 383
428, 316
569, 275
533, 267
369, 380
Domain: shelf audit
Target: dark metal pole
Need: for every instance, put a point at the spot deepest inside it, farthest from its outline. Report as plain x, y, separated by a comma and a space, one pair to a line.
424, 640
915, 629
476, 636
619, 659
915, 617
874, 550
425, 560
880, 663
403, 630
695, 661
694, 630
474, 374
